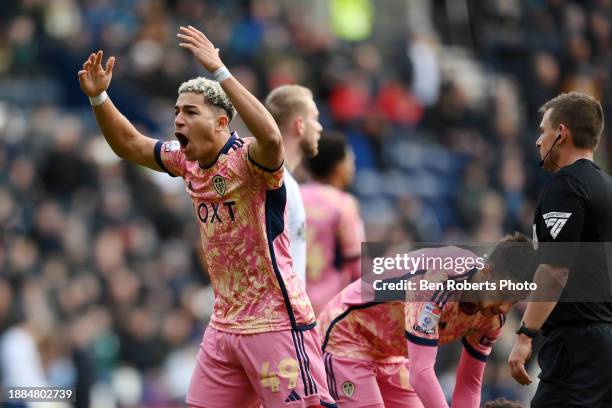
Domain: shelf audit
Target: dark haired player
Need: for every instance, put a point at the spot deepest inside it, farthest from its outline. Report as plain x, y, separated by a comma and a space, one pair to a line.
335, 228
382, 354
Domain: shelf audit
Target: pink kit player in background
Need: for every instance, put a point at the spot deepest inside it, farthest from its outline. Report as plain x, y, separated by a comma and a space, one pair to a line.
382, 354
260, 346
335, 228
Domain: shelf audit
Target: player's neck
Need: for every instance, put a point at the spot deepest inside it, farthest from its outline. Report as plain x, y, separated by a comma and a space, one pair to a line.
572, 156
212, 149
293, 154
331, 180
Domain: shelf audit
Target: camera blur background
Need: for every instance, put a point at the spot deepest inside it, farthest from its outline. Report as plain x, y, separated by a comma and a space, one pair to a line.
101, 284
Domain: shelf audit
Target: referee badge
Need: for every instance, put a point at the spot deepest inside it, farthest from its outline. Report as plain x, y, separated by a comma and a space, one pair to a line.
555, 220
219, 184
348, 388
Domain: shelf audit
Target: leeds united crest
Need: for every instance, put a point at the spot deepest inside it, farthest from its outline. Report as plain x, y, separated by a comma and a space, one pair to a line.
348, 388
219, 185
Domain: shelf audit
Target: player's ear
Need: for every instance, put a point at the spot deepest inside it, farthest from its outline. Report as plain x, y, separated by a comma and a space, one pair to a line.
222, 122
299, 125
562, 133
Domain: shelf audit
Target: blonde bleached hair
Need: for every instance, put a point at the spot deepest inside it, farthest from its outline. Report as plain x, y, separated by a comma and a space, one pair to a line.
286, 101
212, 92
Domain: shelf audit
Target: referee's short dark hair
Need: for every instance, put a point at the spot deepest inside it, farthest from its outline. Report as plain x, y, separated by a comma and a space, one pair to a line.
581, 113
332, 150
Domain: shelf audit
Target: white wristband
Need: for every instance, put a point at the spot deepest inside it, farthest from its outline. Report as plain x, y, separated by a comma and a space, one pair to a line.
98, 100
221, 74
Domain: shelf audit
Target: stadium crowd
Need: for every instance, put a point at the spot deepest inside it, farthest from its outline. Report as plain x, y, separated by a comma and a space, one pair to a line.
101, 284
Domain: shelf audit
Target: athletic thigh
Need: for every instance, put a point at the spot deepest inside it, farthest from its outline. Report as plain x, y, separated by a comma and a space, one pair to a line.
285, 368
218, 379
353, 382
575, 366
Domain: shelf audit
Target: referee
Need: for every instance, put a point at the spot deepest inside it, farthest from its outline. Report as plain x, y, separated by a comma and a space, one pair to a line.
576, 206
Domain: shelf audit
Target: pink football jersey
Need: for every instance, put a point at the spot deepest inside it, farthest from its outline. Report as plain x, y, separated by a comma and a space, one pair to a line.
378, 331
335, 232
240, 211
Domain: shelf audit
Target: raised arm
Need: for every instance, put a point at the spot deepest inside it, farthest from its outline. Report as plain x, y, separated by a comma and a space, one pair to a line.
127, 142
267, 149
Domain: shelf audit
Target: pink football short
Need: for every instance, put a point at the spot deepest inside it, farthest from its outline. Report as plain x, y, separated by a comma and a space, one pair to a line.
365, 384
273, 369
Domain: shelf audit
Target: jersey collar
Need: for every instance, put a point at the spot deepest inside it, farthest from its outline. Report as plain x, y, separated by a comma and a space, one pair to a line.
224, 150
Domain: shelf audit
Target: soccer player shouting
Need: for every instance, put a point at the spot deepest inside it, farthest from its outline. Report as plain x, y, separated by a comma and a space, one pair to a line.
382, 354
239, 200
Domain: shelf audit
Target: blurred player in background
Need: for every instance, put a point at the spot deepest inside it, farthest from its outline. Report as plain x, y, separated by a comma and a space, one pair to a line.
239, 199
296, 114
335, 228
366, 343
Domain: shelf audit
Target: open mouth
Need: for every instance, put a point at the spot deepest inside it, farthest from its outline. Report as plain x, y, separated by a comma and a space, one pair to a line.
182, 139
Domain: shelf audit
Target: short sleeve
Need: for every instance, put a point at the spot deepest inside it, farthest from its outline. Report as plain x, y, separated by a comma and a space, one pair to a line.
479, 345
272, 178
169, 157
351, 231
423, 308
562, 212
422, 319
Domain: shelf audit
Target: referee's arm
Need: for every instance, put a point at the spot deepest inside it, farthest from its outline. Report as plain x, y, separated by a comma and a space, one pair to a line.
550, 281
565, 199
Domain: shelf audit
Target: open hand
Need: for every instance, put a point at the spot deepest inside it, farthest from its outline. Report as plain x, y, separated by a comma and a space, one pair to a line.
201, 47
93, 78
521, 352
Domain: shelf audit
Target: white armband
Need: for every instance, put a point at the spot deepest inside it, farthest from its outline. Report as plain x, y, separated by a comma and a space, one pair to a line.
98, 100
221, 74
